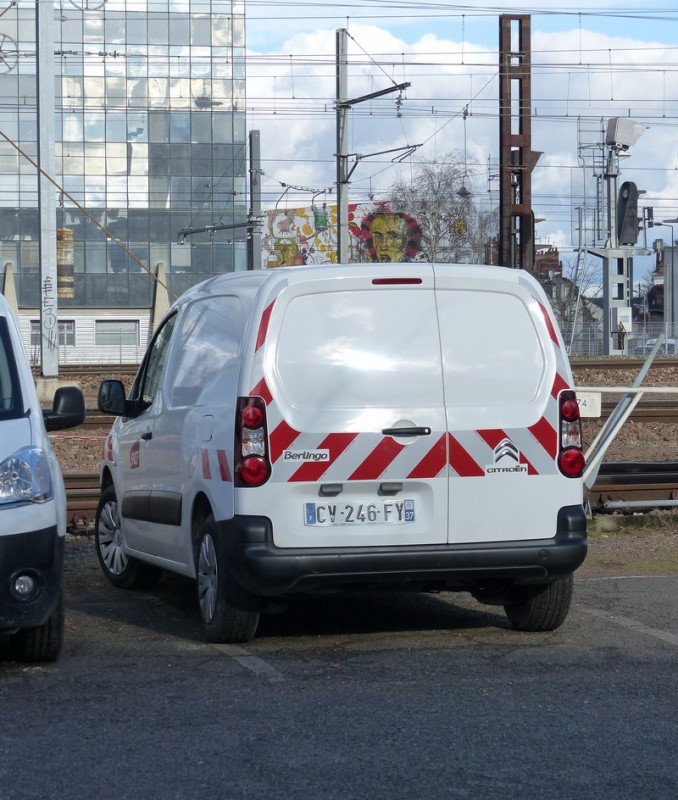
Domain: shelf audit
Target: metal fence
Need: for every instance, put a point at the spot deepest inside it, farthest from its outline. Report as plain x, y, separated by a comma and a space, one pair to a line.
588, 340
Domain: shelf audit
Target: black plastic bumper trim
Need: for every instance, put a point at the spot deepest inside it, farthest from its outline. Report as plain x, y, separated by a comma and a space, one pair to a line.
42, 554
263, 569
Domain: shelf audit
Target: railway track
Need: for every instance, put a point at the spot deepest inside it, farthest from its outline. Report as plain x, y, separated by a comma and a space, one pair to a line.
618, 364
635, 485
96, 419
604, 362
82, 497
647, 410
632, 486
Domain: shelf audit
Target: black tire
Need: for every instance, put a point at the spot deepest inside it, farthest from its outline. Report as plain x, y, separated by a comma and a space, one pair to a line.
224, 614
540, 608
121, 570
44, 642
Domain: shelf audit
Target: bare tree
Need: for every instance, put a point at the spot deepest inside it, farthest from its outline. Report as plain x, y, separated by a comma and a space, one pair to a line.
440, 197
572, 294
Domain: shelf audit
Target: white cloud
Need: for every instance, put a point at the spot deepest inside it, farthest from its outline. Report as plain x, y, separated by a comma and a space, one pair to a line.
580, 78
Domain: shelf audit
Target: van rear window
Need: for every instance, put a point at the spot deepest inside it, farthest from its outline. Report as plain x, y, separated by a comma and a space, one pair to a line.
492, 351
359, 350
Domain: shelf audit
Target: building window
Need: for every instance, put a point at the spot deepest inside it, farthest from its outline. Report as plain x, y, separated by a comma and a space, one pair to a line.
116, 332
66, 333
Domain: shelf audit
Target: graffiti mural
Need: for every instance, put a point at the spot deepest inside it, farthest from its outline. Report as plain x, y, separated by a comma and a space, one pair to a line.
390, 236
309, 235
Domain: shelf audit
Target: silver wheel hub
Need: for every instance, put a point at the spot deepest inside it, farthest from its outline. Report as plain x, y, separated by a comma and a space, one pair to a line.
208, 578
111, 544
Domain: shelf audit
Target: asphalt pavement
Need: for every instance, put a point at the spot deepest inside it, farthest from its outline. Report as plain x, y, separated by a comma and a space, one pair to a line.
399, 698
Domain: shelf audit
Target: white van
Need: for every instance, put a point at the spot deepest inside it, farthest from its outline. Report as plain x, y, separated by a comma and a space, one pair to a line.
32, 504
349, 428
667, 347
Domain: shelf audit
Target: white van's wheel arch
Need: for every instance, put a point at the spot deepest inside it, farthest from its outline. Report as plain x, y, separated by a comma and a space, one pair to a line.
121, 570
224, 619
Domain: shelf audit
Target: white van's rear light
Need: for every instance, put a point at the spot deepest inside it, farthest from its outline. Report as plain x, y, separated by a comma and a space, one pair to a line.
253, 471
571, 462
252, 464
570, 454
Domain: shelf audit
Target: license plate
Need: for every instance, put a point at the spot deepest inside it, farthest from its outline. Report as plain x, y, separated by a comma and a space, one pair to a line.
394, 512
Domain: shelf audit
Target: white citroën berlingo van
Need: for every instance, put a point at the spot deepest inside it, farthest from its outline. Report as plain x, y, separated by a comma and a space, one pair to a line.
32, 504
349, 428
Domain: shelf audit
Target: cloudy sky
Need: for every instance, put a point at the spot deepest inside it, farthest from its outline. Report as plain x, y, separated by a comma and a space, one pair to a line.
589, 63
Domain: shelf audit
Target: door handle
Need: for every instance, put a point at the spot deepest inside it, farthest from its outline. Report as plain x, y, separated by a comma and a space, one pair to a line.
416, 431
147, 436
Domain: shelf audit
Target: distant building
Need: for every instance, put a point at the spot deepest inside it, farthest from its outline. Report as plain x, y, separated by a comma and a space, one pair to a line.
150, 140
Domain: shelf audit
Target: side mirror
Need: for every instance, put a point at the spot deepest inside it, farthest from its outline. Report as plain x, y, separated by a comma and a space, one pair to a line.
68, 409
111, 398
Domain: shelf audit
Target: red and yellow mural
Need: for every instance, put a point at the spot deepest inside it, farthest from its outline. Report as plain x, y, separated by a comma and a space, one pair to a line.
297, 236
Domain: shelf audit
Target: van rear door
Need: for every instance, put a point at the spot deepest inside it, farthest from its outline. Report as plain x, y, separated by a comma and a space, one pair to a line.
503, 369
349, 359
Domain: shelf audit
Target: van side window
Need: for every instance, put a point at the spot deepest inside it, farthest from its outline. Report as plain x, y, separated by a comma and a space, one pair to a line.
210, 333
155, 361
10, 394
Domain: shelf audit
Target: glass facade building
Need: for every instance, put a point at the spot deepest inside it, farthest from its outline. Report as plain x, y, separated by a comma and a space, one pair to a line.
150, 140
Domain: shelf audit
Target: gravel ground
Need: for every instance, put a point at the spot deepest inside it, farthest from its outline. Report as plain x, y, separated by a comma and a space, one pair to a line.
632, 544
637, 441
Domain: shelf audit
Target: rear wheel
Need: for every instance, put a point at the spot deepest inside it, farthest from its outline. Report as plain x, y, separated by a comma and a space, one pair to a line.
121, 570
540, 608
44, 642
223, 605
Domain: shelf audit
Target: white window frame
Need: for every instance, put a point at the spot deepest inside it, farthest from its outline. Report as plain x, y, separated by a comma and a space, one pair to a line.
66, 333
116, 332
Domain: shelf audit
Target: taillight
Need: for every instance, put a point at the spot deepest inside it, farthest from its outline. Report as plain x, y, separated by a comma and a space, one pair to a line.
252, 464
253, 470
570, 453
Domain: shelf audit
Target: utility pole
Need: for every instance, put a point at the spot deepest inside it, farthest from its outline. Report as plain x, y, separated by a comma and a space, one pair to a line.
622, 233
343, 172
342, 146
254, 232
516, 157
49, 324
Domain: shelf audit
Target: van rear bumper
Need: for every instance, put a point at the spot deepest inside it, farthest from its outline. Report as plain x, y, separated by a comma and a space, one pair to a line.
263, 569
39, 554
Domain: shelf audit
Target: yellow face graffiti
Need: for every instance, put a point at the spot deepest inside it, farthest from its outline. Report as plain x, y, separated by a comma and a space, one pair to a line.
389, 237
287, 250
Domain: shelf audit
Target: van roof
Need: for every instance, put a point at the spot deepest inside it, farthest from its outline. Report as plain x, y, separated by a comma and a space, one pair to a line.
253, 279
